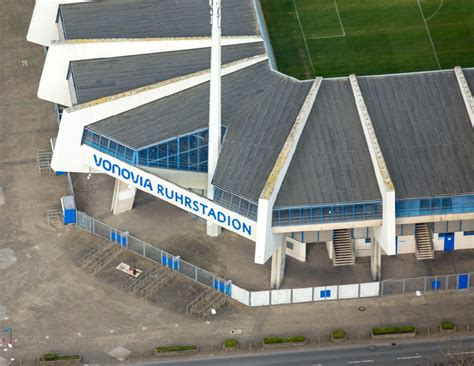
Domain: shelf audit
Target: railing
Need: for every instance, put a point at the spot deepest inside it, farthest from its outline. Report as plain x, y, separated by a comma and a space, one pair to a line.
416, 286
152, 253
327, 214
235, 203
434, 206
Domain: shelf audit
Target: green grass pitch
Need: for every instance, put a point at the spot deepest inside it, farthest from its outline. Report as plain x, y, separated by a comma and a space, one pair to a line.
366, 37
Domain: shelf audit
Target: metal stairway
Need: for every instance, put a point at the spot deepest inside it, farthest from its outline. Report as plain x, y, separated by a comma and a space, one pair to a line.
424, 242
342, 248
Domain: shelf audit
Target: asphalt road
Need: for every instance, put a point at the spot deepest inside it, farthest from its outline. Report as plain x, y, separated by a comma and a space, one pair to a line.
406, 353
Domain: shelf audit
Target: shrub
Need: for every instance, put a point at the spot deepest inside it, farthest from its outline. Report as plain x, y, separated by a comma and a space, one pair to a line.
447, 325
56, 357
275, 340
50, 357
338, 334
175, 348
393, 330
231, 342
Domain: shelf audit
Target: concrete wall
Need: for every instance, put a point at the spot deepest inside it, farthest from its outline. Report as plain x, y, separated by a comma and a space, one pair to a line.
296, 249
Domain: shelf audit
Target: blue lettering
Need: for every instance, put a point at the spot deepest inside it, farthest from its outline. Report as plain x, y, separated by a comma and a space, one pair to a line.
195, 206
135, 178
246, 229
187, 202
178, 197
123, 173
169, 196
114, 167
212, 213
160, 189
147, 184
220, 216
236, 224
108, 167
203, 208
97, 160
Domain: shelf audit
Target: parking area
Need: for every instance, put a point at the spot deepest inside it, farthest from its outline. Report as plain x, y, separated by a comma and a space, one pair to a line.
232, 257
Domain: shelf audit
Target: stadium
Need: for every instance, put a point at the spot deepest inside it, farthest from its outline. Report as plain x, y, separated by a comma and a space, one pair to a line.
368, 166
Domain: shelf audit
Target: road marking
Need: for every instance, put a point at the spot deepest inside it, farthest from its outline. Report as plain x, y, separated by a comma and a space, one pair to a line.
362, 361
408, 357
304, 37
460, 353
429, 34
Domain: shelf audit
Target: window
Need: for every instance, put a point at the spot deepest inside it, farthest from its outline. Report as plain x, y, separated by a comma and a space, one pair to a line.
289, 245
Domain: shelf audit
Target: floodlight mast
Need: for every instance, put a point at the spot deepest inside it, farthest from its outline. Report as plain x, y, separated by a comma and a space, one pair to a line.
214, 144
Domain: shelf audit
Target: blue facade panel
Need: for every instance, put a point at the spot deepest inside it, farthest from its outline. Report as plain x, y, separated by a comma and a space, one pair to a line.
463, 281
449, 242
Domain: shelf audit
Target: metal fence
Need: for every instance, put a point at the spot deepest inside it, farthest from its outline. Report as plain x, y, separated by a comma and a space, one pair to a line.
152, 253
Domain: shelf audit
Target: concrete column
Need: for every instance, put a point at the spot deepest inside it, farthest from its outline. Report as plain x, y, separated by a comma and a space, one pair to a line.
214, 107
376, 261
123, 198
278, 266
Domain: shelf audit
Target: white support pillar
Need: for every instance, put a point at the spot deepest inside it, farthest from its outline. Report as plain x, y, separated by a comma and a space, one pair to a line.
385, 235
466, 93
278, 266
214, 107
123, 198
376, 260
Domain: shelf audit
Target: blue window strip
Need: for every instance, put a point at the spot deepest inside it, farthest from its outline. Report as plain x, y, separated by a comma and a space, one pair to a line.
469, 233
435, 206
327, 214
235, 203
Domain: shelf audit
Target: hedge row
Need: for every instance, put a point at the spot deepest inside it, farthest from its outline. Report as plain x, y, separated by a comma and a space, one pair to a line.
393, 330
56, 357
175, 348
274, 340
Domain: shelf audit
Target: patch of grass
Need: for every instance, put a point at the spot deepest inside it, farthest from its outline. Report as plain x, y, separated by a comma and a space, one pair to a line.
177, 348
340, 37
338, 334
275, 340
56, 357
393, 330
231, 342
447, 325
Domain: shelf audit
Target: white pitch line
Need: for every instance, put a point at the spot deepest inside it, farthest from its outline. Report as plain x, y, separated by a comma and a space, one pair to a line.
429, 34
322, 37
437, 10
304, 38
340, 20
460, 353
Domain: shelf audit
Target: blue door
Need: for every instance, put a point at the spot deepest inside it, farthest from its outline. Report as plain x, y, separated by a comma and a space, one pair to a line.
448, 242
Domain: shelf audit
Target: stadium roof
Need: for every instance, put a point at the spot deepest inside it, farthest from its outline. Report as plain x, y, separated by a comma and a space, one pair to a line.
109, 76
154, 19
259, 108
469, 74
420, 119
331, 163
424, 132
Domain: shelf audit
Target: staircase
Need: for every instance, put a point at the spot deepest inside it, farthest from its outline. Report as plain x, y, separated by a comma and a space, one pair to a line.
424, 242
342, 250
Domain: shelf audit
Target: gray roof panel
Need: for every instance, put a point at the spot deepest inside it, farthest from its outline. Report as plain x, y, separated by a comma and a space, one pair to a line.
109, 76
424, 132
154, 19
259, 107
331, 163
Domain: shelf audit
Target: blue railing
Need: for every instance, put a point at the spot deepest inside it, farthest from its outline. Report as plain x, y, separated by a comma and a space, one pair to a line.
235, 203
434, 206
187, 152
108, 146
327, 214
